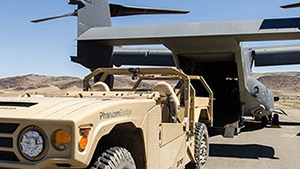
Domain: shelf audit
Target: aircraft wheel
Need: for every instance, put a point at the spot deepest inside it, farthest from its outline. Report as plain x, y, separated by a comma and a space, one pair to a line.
275, 120
115, 158
264, 121
201, 147
270, 117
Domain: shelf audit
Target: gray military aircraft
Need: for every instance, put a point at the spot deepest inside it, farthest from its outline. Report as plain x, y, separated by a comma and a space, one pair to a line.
213, 50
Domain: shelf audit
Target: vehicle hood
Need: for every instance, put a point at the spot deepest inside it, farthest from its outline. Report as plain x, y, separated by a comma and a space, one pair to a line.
43, 108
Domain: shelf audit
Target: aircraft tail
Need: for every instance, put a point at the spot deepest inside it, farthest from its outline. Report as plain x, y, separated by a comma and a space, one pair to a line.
94, 13
294, 5
98, 13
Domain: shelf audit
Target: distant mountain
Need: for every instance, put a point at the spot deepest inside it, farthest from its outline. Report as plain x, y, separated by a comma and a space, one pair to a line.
29, 82
280, 83
46, 85
283, 82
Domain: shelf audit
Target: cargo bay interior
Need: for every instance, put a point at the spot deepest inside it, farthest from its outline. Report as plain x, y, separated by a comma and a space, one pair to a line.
220, 72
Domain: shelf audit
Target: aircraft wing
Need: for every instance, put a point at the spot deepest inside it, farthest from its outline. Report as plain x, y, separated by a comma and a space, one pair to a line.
192, 39
264, 56
142, 57
277, 55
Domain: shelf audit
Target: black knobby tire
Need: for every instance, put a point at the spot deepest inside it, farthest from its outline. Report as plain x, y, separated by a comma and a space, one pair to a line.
264, 121
201, 146
115, 158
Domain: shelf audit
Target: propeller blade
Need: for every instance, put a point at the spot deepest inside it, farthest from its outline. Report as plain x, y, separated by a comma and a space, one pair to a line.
120, 10
295, 5
55, 17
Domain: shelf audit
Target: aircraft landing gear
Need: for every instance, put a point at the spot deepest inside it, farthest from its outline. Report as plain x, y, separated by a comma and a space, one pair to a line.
264, 121
275, 121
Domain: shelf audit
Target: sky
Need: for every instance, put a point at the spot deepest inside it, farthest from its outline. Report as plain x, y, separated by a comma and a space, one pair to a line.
45, 48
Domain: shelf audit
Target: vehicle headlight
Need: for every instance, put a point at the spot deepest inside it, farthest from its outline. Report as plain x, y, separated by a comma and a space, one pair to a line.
32, 143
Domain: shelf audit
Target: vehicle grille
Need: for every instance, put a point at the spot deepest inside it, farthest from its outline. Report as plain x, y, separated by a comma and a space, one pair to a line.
8, 156
17, 104
6, 142
8, 128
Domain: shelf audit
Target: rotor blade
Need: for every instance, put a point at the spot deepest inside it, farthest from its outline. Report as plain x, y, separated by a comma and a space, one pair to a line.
55, 17
120, 10
295, 5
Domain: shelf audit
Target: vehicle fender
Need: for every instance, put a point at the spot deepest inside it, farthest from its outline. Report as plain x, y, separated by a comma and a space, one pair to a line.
105, 127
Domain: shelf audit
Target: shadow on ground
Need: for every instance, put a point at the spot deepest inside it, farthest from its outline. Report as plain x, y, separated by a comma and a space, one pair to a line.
249, 151
289, 123
249, 126
252, 126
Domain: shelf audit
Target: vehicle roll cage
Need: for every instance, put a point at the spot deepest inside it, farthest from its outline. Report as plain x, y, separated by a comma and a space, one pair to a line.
141, 74
138, 74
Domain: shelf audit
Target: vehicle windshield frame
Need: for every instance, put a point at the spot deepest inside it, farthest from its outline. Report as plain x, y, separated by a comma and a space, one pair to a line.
139, 74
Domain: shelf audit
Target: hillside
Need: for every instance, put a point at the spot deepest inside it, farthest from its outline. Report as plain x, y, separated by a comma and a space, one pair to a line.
47, 85
286, 83
52, 86
283, 84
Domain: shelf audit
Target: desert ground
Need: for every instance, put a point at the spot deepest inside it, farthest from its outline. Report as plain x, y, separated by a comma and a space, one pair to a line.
260, 148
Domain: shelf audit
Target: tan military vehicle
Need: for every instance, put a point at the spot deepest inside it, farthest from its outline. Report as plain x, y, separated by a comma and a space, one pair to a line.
162, 126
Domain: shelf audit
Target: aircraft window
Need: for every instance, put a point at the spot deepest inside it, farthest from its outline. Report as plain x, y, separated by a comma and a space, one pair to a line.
256, 91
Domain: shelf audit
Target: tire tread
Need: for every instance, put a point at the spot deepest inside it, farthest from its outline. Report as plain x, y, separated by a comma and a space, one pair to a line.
112, 158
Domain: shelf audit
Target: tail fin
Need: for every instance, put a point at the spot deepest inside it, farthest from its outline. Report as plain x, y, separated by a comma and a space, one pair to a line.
295, 5
95, 13
98, 13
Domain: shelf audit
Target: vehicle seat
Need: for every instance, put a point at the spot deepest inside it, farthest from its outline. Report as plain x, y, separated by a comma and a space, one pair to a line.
169, 101
100, 86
